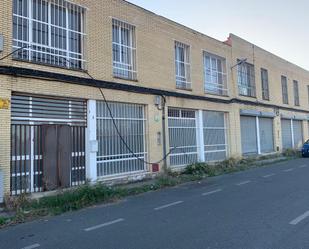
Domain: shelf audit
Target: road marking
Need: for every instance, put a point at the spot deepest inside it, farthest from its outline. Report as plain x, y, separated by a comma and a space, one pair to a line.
168, 205
270, 175
299, 218
32, 246
103, 225
303, 166
212, 192
288, 170
243, 183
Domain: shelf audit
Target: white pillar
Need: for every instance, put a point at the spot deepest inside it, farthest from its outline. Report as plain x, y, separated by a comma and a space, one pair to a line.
258, 135
200, 136
91, 142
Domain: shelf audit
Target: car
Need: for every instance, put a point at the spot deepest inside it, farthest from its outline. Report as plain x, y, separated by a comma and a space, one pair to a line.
305, 149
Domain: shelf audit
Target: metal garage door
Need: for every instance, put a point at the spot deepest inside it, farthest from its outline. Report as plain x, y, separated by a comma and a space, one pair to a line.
298, 133
286, 132
266, 135
248, 135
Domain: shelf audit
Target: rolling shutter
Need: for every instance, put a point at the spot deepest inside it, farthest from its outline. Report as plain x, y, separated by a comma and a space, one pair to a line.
248, 135
286, 134
266, 135
298, 133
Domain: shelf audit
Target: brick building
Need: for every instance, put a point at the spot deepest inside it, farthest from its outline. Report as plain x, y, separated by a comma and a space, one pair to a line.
168, 88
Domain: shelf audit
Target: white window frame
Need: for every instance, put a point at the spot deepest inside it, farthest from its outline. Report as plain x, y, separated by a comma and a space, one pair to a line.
68, 58
183, 81
215, 87
131, 71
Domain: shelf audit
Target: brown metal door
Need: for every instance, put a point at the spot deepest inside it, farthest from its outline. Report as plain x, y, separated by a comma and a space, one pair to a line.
57, 154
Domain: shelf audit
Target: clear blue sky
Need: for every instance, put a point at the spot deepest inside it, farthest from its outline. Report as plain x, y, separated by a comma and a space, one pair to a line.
279, 26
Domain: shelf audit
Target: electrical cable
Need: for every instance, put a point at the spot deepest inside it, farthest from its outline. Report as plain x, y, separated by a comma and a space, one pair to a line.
112, 117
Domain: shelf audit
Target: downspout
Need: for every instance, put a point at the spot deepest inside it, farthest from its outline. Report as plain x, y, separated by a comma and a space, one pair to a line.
164, 134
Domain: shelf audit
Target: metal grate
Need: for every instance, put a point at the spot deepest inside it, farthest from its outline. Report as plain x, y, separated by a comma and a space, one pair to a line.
124, 50
215, 141
41, 110
113, 158
51, 32
182, 137
26, 159
78, 171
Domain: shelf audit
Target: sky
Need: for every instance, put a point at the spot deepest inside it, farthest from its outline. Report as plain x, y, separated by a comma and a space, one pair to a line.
279, 26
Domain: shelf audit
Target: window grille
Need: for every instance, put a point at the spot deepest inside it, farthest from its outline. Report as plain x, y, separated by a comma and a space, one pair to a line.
182, 64
215, 81
214, 128
182, 137
246, 79
285, 94
265, 85
113, 157
51, 32
124, 50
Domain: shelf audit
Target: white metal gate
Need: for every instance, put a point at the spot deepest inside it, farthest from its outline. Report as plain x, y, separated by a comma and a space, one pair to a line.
215, 139
113, 157
182, 127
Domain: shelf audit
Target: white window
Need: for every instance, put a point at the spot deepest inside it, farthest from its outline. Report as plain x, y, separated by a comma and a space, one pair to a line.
124, 50
246, 79
50, 32
215, 74
182, 64
113, 157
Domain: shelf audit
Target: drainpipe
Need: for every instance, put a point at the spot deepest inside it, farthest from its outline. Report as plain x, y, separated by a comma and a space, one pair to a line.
164, 134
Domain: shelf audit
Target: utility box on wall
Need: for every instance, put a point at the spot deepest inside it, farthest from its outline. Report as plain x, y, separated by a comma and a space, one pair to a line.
1, 43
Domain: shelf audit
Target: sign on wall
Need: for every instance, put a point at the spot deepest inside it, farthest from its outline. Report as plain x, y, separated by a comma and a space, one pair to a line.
4, 103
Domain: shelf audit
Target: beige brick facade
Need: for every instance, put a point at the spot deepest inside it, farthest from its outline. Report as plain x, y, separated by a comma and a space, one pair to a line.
155, 37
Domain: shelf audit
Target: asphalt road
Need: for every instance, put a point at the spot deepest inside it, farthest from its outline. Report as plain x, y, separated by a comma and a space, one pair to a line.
260, 208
